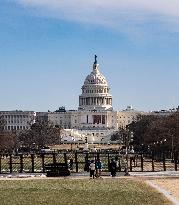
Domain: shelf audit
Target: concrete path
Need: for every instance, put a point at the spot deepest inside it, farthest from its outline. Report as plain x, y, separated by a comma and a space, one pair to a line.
155, 174
167, 194
146, 175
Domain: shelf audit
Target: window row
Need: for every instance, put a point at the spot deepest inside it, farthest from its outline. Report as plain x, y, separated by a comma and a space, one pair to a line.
96, 91
16, 127
14, 116
14, 121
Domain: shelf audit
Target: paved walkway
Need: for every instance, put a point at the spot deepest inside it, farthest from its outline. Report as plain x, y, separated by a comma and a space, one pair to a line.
156, 174
165, 192
172, 174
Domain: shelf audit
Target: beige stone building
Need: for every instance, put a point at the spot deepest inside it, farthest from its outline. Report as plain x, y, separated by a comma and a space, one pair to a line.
17, 119
127, 116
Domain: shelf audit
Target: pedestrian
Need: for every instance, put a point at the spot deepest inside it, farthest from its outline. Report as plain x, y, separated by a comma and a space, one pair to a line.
113, 168
68, 163
98, 168
87, 165
71, 164
92, 169
117, 163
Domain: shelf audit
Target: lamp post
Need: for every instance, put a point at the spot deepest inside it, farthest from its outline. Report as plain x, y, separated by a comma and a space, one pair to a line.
171, 133
129, 138
127, 159
163, 141
172, 148
86, 143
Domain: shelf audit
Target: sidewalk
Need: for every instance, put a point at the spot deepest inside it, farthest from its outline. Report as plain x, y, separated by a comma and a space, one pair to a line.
169, 189
155, 174
167, 174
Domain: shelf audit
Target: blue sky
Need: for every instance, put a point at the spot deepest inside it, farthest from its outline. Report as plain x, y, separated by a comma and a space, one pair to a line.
48, 48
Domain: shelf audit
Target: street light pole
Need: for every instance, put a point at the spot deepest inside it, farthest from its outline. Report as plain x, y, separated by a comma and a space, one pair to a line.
127, 158
129, 138
172, 148
172, 143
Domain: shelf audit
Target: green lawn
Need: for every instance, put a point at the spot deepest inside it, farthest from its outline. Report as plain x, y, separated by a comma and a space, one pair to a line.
78, 192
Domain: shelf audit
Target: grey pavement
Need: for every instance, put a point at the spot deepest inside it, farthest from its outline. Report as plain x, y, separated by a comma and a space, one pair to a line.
166, 193
104, 174
156, 174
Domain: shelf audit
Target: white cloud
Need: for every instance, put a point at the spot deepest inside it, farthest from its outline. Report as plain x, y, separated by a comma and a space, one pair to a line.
108, 12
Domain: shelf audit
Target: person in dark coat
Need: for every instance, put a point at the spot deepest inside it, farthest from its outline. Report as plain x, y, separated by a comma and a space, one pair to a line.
71, 164
87, 164
98, 168
113, 168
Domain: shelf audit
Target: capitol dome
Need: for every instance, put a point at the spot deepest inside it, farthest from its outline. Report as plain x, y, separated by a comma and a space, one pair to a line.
95, 91
95, 77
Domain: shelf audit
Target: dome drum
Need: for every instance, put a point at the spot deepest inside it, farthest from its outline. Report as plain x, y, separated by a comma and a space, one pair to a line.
95, 89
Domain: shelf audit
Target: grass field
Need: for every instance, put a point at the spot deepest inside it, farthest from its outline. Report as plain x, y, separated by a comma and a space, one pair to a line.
78, 192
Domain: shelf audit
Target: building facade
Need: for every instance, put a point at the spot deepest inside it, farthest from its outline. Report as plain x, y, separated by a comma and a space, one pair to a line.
17, 120
128, 115
41, 116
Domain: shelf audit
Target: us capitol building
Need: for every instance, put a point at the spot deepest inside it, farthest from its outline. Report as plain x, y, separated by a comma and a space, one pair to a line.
95, 118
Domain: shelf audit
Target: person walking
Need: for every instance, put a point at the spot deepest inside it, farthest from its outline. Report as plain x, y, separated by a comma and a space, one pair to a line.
87, 166
113, 168
71, 164
117, 163
92, 168
98, 168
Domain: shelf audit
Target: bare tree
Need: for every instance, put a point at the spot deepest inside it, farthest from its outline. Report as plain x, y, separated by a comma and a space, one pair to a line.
41, 134
159, 131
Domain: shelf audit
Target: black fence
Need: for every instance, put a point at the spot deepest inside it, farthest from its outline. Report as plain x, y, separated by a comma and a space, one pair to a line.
140, 162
